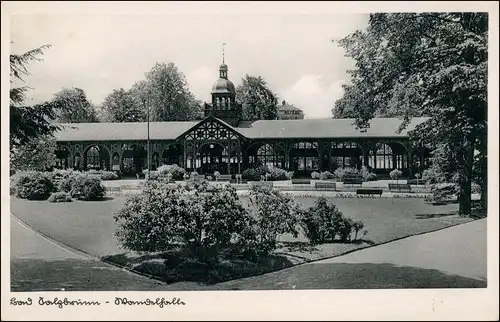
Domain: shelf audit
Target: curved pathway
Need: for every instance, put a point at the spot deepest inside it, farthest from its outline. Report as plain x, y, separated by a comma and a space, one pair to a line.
454, 257
39, 264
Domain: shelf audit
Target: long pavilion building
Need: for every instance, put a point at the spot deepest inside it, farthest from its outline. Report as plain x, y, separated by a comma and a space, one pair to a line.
223, 141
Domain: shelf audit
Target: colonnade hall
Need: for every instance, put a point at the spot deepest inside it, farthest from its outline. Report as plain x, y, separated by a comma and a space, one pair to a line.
223, 141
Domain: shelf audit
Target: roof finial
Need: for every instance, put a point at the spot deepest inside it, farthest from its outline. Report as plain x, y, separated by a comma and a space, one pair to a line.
223, 44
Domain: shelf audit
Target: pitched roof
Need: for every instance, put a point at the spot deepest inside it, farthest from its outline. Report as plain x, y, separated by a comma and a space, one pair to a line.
122, 131
263, 129
326, 128
288, 107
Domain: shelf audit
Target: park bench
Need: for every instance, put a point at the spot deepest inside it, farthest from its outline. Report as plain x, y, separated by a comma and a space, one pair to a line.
416, 182
263, 183
197, 178
113, 189
224, 177
353, 180
242, 181
301, 181
399, 187
366, 191
325, 186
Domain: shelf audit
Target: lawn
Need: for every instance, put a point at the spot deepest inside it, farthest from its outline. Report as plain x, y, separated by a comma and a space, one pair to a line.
89, 227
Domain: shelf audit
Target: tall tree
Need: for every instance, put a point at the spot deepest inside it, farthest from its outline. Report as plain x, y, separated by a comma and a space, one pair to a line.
74, 107
259, 102
121, 106
27, 122
166, 93
37, 154
432, 64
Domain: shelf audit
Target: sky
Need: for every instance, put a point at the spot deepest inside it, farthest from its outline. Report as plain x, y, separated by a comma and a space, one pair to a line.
293, 52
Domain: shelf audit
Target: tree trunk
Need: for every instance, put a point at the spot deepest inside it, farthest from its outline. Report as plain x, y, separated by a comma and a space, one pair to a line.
484, 195
484, 183
465, 204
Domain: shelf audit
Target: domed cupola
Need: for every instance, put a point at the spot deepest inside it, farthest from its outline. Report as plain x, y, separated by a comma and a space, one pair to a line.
224, 104
223, 85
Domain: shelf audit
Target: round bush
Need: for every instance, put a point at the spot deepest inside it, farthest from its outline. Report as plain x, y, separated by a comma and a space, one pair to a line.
325, 175
177, 173
200, 218
153, 175
68, 183
32, 185
277, 174
323, 222
59, 197
88, 188
109, 175
342, 173
254, 174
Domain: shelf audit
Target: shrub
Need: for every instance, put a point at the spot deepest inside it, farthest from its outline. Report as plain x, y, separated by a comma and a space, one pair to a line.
108, 175
194, 174
323, 222
202, 219
289, 175
59, 174
325, 175
274, 214
357, 226
342, 173
367, 174
315, 175
68, 182
153, 175
176, 171
88, 188
216, 175
254, 174
276, 174
59, 197
345, 229
395, 174
442, 192
433, 176
32, 185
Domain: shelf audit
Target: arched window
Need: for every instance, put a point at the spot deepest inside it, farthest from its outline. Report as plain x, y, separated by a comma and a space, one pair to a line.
383, 157
171, 155
115, 162
93, 159
62, 155
78, 162
304, 157
155, 162
346, 154
266, 155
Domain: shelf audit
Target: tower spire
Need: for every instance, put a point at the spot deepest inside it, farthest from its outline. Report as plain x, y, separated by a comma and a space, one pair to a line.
223, 44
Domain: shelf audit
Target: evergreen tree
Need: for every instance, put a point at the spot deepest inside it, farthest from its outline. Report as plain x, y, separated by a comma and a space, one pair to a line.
27, 122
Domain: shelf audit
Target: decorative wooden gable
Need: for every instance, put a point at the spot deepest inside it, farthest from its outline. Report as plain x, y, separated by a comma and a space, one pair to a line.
211, 128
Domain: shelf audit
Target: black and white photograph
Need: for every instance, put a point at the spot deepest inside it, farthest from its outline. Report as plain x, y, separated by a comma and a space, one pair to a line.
200, 149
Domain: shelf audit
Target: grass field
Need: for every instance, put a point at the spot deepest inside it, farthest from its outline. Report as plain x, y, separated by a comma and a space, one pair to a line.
89, 226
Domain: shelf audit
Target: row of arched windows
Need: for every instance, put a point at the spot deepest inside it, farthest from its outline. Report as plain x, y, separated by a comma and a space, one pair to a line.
304, 156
